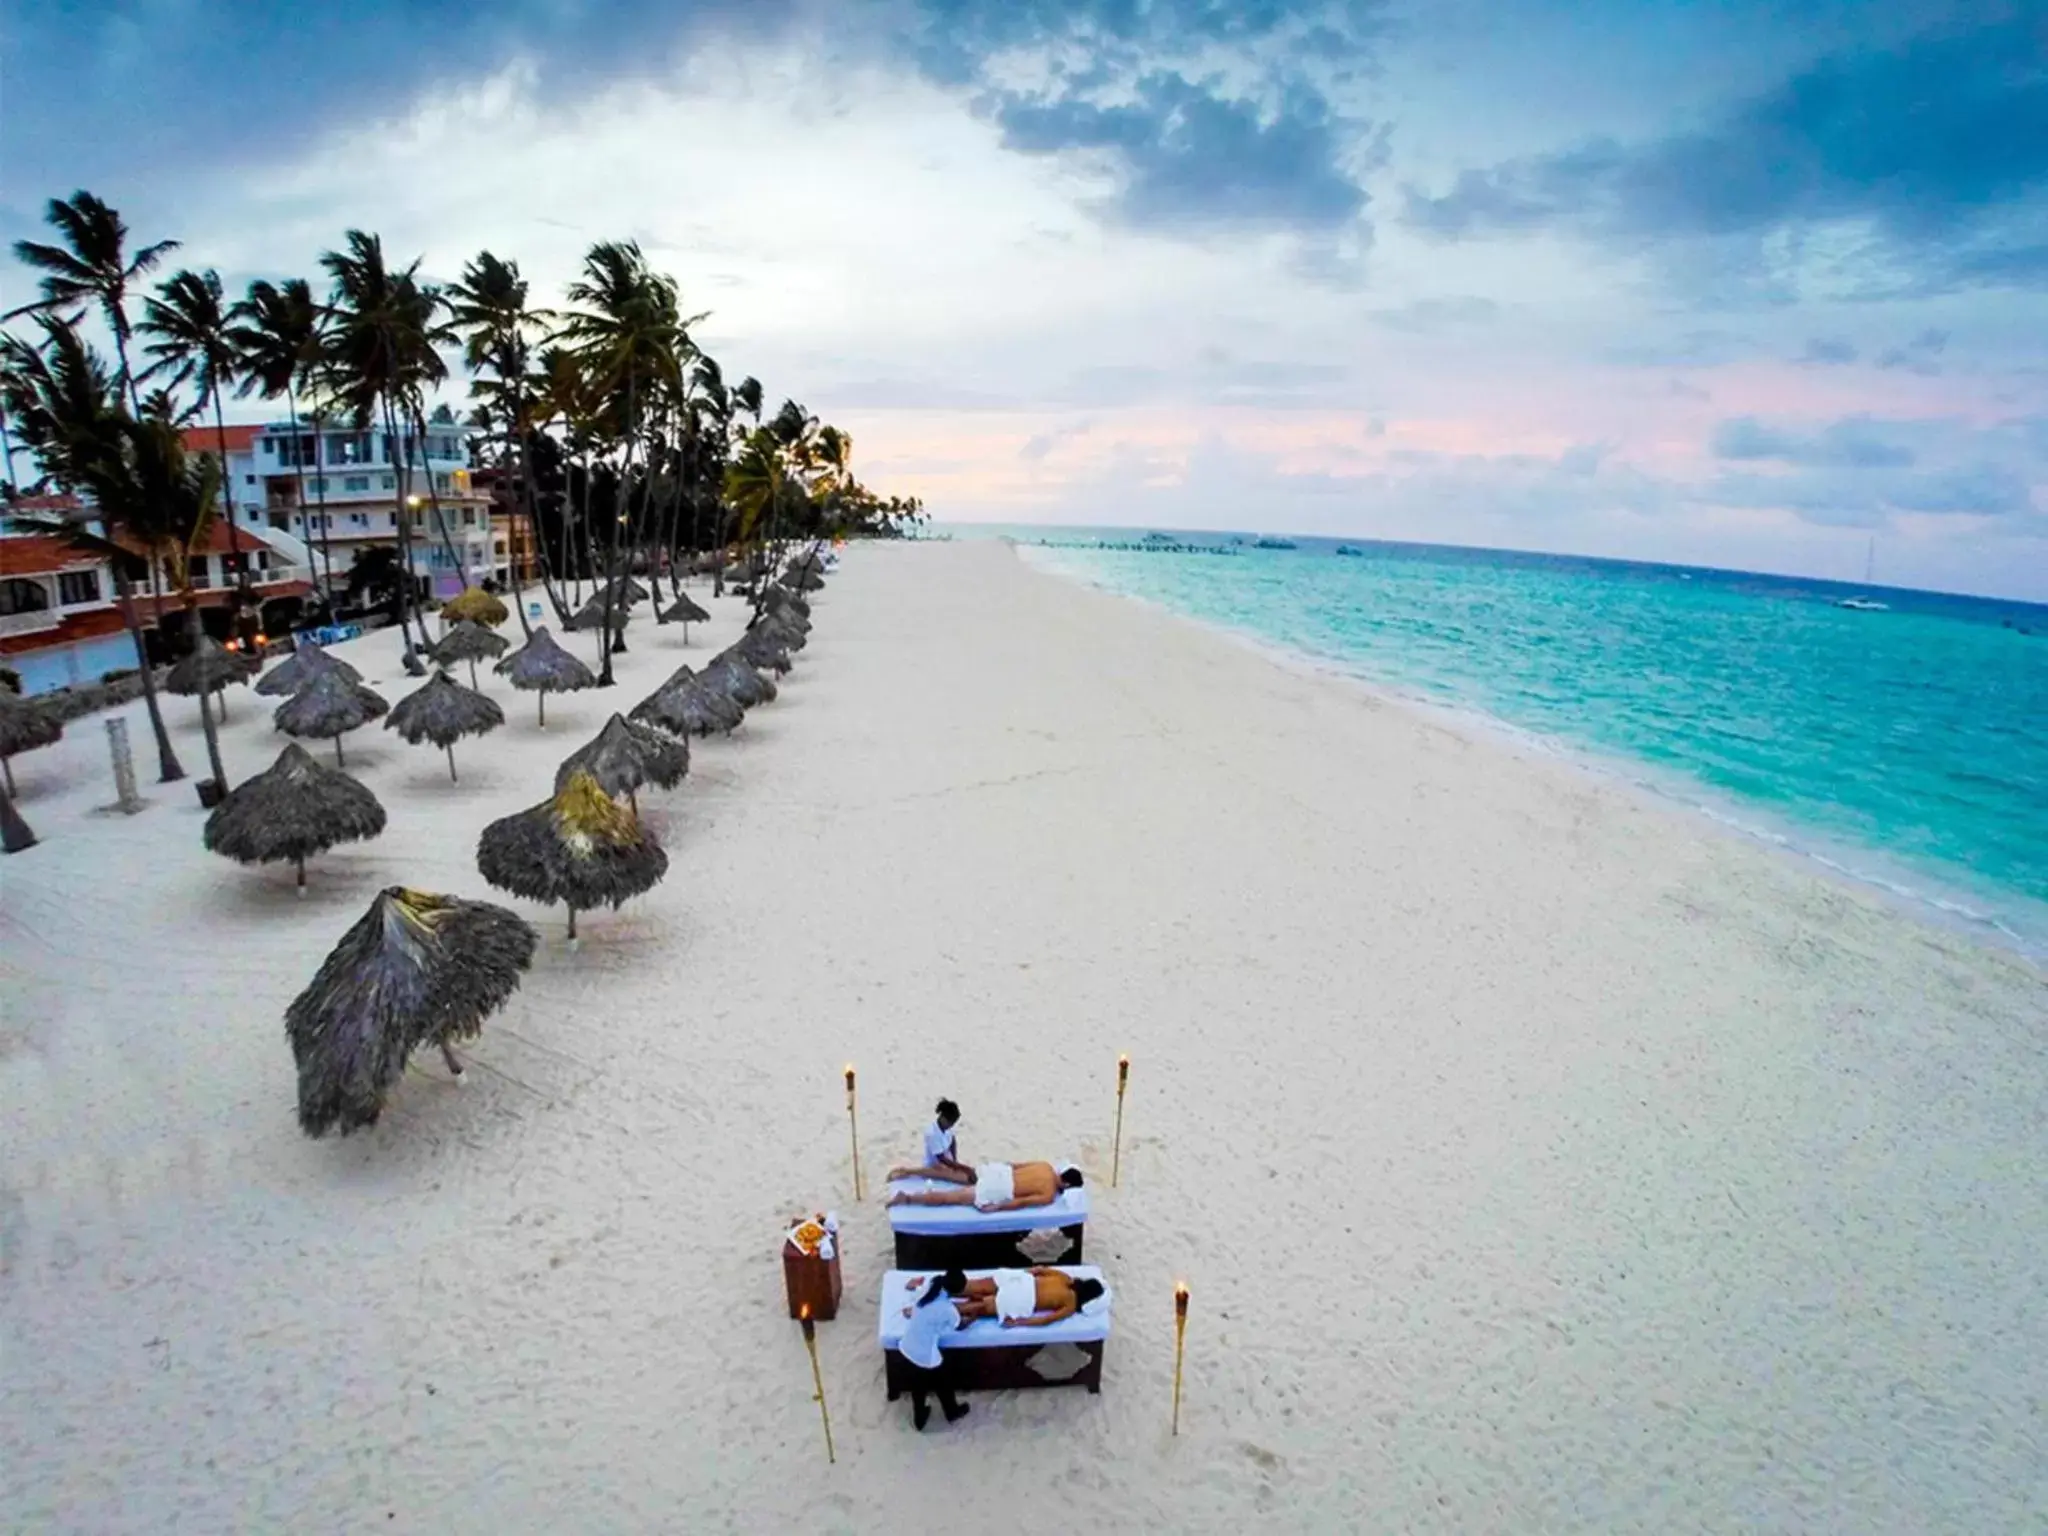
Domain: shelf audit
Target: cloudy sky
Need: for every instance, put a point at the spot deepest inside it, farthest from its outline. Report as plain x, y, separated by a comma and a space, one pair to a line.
1726, 281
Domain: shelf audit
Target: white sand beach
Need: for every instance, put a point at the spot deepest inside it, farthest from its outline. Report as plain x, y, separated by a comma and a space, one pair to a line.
1539, 1157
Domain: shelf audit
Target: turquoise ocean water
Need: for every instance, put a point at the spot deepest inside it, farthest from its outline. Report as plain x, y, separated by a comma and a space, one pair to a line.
1906, 749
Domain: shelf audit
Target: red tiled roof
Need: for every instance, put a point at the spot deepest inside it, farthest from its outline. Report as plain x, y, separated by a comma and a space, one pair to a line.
40, 554
62, 501
207, 439
89, 625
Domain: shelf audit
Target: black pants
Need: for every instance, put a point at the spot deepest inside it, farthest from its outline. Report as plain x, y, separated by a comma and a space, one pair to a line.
936, 1380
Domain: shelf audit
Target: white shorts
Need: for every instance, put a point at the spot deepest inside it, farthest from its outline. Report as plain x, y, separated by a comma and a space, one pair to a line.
1016, 1293
994, 1184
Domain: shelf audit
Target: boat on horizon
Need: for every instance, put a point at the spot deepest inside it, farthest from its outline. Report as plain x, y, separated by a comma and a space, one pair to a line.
1274, 544
1346, 549
1863, 604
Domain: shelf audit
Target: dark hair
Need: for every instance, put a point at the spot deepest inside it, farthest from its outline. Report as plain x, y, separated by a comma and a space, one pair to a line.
1086, 1291
1071, 1178
948, 1110
952, 1283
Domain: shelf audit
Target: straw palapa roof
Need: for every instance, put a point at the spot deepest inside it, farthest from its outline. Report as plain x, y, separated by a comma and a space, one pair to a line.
416, 969
469, 641
474, 605
209, 668
542, 665
625, 755
441, 710
327, 706
292, 810
686, 706
581, 848
591, 615
685, 610
24, 726
732, 676
299, 668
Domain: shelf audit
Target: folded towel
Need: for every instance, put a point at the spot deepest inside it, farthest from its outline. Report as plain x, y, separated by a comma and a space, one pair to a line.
1100, 1305
1016, 1293
994, 1183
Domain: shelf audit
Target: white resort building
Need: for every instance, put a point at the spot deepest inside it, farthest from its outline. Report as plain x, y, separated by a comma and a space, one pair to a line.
340, 489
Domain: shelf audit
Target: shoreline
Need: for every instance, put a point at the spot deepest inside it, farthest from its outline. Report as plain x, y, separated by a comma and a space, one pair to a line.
1944, 906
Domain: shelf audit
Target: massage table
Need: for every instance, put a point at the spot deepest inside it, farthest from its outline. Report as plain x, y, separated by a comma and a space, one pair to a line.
987, 1357
945, 1236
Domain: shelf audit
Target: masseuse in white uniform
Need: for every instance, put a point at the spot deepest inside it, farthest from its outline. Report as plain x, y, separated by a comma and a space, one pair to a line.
941, 1151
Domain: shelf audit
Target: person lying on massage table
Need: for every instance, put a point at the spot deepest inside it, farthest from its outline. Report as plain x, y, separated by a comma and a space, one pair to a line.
1028, 1298
941, 1151
1001, 1187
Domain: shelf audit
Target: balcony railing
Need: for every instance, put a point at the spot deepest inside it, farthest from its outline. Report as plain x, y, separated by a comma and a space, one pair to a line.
35, 622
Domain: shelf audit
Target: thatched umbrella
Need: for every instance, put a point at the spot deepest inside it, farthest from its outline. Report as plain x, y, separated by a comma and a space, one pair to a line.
292, 810
327, 706
686, 612
210, 668
732, 676
469, 641
581, 848
474, 605
625, 755
686, 706
764, 650
626, 590
415, 969
24, 726
781, 599
592, 614
441, 710
542, 666
305, 663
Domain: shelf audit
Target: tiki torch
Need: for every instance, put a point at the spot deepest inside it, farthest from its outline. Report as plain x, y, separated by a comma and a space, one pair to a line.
818, 1377
1180, 1344
1123, 1081
853, 1125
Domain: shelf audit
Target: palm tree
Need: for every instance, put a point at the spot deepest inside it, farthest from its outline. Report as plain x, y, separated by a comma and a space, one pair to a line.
380, 355
69, 414
91, 267
488, 310
279, 331
147, 487
634, 342
161, 405
195, 344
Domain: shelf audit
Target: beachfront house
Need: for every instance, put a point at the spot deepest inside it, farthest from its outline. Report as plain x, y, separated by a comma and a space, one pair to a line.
60, 626
338, 489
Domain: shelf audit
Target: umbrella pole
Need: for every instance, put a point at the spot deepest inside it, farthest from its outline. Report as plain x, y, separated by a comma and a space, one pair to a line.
542, 695
448, 1055
633, 799
572, 927
7, 768
472, 672
302, 879
451, 764
339, 760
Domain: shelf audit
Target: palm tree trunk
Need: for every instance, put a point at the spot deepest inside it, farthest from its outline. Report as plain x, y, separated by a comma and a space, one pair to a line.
227, 488
434, 498
517, 514
206, 722
168, 769
320, 492
15, 836
406, 594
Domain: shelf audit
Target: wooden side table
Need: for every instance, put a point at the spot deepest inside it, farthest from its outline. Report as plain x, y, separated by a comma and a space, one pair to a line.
810, 1279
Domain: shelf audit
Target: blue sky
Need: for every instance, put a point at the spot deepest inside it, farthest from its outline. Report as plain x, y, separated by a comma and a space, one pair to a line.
1728, 282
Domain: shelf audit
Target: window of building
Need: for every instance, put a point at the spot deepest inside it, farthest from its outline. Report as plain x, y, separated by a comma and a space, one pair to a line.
78, 587
269, 448
358, 519
389, 483
21, 596
248, 479
355, 482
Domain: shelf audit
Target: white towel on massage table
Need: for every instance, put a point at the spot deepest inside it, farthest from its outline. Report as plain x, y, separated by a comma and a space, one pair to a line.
1016, 1293
1069, 1210
1084, 1327
994, 1183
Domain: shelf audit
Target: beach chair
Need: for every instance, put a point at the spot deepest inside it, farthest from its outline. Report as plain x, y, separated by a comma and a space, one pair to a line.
987, 1357
959, 1236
